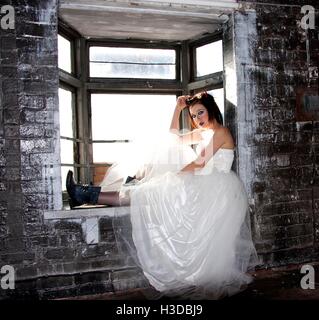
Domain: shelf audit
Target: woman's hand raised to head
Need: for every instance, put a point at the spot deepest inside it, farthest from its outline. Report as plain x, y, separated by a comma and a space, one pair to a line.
180, 105
181, 102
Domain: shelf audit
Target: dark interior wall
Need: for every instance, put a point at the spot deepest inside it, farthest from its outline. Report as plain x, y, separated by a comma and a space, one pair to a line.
29, 158
277, 156
50, 258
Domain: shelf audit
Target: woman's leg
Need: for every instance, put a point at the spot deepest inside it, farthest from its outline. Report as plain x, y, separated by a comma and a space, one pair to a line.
113, 198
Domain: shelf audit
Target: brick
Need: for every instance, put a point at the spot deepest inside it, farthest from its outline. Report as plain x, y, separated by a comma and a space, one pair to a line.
297, 242
127, 279
11, 131
8, 72
27, 116
38, 145
92, 277
91, 289
8, 43
287, 231
17, 257
107, 250
11, 116
287, 207
55, 282
60, 253
44, 116
32, 131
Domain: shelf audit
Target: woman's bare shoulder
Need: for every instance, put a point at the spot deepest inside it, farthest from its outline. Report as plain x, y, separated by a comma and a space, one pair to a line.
222, 131
224, 135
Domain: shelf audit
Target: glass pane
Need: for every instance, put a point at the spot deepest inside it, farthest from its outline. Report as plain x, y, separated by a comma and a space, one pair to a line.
110, 152
132, 63
218, 95
64, 54
129, 116
66, 151
65, 108
209, 58
64, 172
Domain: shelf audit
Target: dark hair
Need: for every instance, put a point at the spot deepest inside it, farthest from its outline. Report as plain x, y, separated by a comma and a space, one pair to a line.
209, 103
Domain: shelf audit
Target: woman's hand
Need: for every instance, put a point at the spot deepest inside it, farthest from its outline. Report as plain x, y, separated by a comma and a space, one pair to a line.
181, 102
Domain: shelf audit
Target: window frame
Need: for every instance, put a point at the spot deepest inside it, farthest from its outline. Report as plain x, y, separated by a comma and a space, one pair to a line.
192, 48
72, 49
71, 82
83, 86
143, 92
74, 139
138, 44
111, 85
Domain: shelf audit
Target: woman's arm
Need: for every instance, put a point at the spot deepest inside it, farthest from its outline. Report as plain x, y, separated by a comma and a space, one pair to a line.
175, 120
180, 105
191, 137
218, 140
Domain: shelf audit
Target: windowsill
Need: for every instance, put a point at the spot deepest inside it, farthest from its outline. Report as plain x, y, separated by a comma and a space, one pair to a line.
88, 219
86, 213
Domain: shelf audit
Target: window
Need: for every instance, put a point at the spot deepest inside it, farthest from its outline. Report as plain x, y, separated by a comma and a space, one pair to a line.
206, 56
209, 58
111, 92
67, 135
118, 119
114, 62
64, 54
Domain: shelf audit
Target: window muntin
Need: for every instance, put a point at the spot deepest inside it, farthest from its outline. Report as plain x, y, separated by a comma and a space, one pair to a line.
119, 62
127, 117
64, 54
209, 58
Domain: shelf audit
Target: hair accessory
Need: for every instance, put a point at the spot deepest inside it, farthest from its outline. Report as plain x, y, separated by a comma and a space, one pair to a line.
196, 97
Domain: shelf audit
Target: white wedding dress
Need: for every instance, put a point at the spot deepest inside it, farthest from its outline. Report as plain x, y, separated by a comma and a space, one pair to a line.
191, 230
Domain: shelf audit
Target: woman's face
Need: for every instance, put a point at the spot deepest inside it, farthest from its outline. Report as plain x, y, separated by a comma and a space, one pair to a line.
199, 115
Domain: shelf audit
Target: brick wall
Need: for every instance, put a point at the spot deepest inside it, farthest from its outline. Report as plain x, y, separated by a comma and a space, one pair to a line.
277, 157
50, 259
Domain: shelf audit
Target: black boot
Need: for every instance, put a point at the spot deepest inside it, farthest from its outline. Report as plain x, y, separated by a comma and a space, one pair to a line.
80, 194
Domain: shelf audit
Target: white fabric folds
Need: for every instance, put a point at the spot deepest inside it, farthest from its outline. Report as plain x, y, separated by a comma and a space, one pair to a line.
191, 231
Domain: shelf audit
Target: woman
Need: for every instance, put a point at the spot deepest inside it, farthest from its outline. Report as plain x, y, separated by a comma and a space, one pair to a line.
190, 223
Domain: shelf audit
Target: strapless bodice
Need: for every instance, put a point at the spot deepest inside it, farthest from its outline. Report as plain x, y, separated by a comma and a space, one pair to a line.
222, 160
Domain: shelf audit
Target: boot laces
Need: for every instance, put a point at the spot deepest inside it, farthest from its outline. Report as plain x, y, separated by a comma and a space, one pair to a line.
84, 187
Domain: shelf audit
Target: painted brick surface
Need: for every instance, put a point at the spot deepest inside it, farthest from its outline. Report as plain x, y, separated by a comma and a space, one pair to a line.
277, 158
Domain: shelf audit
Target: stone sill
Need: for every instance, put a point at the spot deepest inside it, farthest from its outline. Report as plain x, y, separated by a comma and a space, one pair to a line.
86, 213
88, 218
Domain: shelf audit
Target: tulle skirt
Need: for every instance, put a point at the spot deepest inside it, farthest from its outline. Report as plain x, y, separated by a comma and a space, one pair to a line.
192, 234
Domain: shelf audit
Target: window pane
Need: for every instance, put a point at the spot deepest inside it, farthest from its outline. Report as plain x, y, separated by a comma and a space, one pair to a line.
209, 58
218, 95
65, 110
64, 172
110, 152
66, 151
132, 63
127, 117
64, 54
